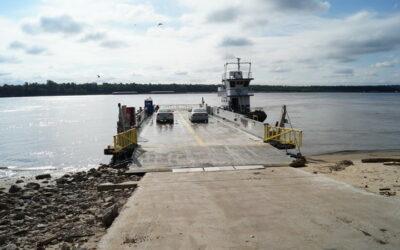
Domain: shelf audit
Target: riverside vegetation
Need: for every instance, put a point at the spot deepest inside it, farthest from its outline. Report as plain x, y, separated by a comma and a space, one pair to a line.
52, 88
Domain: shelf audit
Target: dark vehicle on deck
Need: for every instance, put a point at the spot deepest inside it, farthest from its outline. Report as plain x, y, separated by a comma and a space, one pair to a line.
165, 116
198, 115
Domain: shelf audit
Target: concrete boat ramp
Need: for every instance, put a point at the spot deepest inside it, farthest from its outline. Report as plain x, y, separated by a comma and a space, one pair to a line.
272, 208
267, 207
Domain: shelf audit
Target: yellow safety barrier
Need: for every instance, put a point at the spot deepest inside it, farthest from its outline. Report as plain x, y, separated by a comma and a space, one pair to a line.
287, 136
125, 139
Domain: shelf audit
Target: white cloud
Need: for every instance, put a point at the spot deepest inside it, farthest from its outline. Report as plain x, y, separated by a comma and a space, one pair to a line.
92, 37
288, 41
113, 44
344, 72
32, 50
103, 11
298, 5
235, 42
386, 64
8, 59
224, 15
54, 24
181, 73
280, 69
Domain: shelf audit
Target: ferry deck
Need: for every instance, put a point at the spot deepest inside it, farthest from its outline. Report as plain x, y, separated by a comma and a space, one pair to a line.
218, 143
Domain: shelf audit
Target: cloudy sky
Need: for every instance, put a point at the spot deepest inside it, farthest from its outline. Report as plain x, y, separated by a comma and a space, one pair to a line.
293, 42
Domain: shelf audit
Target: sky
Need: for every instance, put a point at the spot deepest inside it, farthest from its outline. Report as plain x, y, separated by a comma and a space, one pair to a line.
289, 42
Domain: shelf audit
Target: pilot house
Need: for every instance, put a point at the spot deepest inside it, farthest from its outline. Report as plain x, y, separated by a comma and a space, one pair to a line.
234, 92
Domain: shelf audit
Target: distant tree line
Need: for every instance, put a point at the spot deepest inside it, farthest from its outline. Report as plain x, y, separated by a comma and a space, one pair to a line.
316, 88
52, 88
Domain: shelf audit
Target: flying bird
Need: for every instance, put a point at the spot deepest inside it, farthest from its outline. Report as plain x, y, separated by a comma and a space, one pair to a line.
98, 76
159, 24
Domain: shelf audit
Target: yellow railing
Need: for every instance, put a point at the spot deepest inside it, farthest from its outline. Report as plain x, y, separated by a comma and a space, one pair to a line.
287, 136
125, 139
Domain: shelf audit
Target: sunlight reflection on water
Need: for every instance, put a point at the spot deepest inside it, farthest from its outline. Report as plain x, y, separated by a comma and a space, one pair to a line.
69, 133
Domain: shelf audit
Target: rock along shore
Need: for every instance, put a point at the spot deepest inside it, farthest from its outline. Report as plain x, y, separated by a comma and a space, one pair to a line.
64, 213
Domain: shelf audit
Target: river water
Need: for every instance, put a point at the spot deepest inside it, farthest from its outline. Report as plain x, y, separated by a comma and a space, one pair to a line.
67, 133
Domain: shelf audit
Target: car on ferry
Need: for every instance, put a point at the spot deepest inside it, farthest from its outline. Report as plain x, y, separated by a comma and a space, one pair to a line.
198, 115
165, 116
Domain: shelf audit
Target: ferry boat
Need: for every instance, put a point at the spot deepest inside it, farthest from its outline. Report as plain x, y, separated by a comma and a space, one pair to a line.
235, 90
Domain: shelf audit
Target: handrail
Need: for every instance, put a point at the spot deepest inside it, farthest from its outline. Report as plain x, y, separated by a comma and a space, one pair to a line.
289, 136
140, 117
125, 139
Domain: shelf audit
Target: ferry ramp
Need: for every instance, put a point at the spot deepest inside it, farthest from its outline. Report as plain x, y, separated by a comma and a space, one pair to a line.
216, 143
271, 208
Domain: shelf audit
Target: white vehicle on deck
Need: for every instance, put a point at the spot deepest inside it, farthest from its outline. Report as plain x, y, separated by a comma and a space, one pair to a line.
198, 115
165, 116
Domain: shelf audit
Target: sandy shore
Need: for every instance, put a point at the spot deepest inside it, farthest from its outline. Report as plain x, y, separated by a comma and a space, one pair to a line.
372, 177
